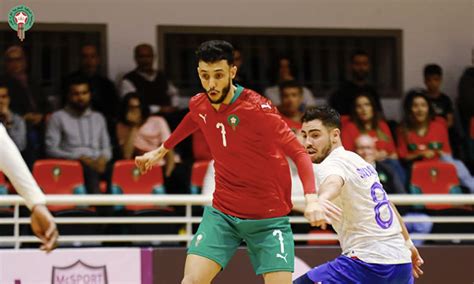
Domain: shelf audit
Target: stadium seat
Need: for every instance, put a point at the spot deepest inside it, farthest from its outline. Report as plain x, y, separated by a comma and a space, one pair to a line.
197, 176
56, 176
126, 179
434, 177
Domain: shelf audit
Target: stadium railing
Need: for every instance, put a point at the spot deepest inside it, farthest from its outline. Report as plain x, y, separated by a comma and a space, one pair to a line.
188, 220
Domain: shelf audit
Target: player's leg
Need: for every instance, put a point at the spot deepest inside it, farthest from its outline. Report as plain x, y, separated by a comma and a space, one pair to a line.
277, 277
199, 270
212, 247
271, 248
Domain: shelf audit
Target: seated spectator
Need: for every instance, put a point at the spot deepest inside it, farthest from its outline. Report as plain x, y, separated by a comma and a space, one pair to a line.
365, 146
156, 91
443, 106
27, 100
14, 123
285, 72
138, 132
79, 133
291, 97
104, 95
366, 119
342, 99
421, 137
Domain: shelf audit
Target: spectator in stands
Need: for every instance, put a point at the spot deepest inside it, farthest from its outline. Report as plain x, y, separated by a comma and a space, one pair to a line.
104, 95
79, 133
26, 100
422, 137
285, 72
365, 146
138, 132
342, 100
153, 85
366, 119
466, 97
14, 123
443, 106
291, 97
240, 78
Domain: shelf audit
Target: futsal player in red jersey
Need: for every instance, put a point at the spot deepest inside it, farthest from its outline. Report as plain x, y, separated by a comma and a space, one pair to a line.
249, 142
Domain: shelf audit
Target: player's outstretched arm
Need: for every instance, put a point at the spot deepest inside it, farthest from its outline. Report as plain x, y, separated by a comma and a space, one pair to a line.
12, 164
319, 208
146, 161
416, 259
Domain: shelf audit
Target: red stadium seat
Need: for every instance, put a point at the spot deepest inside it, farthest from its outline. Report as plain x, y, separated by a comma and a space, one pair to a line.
197, 175
126, 179
59, 177
434, 177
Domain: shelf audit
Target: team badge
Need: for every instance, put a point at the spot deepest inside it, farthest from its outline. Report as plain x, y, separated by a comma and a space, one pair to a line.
21, 19
233, 121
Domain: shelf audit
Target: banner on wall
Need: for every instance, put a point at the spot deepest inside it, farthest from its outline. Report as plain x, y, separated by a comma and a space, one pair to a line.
73, 266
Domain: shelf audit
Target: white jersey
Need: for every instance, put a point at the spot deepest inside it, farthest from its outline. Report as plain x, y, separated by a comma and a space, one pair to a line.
369, 229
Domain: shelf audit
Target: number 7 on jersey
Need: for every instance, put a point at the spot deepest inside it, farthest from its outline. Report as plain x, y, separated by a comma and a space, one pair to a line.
222, 127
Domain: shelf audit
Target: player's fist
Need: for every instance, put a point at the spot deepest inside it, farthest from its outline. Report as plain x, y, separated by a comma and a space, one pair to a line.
320, 212
146, 161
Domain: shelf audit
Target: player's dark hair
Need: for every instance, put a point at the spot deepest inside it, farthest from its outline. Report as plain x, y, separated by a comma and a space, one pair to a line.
432, 69
359, 52
290, 84
328, 116
215, 50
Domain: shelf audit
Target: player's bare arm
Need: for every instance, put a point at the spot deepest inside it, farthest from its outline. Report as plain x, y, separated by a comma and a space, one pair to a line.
416, 259
319, 208
146, 161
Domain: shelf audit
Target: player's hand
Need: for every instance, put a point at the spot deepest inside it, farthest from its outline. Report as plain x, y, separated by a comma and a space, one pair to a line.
43, 226
320, 212
416, 261
146, 161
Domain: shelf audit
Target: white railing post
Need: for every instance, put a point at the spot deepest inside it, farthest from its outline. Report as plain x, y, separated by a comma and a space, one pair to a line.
189, 224
16, 226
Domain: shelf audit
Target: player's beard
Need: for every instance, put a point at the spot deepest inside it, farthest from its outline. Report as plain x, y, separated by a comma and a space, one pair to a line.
323, 153
224, 94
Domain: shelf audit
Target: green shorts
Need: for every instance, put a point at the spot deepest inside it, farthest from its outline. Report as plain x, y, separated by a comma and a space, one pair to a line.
269, 241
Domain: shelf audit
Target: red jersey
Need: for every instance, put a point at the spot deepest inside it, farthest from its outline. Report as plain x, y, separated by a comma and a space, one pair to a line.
249, 142
383, 136
436, 138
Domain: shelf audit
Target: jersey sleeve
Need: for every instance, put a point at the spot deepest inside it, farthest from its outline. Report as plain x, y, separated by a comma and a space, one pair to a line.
332, 167
278, 131
402, 143
386, 130
185, 128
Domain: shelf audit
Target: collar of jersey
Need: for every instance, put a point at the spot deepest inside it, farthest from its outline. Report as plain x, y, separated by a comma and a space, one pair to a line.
237, 94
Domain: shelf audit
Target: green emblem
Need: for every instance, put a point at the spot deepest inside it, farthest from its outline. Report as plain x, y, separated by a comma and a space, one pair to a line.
233, 121
21, 19
136, 174
56, 173
383, 177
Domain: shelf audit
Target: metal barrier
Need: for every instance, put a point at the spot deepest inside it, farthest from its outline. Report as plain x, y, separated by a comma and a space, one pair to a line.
191, 200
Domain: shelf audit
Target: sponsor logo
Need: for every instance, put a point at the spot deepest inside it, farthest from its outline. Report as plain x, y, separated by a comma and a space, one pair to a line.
79, 273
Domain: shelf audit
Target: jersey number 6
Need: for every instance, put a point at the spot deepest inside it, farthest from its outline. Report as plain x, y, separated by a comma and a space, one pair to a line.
384, 224
222, 127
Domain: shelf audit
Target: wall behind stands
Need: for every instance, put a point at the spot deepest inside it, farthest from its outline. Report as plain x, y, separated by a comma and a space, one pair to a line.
439, 31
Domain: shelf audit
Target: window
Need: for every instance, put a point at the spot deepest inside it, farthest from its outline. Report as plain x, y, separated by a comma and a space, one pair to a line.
53, 50
320, 56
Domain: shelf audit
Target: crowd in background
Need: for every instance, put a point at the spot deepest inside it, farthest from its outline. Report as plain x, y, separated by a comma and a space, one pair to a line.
99, 122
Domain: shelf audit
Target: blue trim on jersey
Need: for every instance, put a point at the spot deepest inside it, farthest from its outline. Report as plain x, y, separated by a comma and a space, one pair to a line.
237, 94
